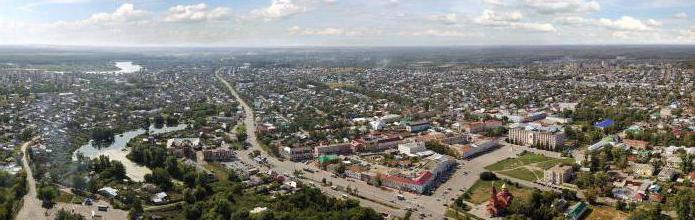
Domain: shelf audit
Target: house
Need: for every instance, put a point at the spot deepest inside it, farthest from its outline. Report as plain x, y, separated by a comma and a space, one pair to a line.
412, 149
297, 153
666, 174
674, 162
417, 126
604, 124
644, 170
472, 150
558, 174
340, 149
576, 211
636, 144
159, 198
418, 184
108, 192
218, 155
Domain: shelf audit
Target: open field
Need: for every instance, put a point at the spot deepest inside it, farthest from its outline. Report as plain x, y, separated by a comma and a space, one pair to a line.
600, 213
528, 166
524, 174
480, 191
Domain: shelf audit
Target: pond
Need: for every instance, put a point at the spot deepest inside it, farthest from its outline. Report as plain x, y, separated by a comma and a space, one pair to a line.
118, 151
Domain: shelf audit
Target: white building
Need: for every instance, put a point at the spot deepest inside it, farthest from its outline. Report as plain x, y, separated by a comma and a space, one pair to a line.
412, 148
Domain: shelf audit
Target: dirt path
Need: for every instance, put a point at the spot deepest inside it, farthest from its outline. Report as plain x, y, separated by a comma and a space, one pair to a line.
31, 209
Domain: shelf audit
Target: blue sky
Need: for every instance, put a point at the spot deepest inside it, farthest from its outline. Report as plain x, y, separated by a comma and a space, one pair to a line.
268, 23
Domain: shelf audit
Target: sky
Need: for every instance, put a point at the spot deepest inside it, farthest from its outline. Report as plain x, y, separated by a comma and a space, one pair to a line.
289, 23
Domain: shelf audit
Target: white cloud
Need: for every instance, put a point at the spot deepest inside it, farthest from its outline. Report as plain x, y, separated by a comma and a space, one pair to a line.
490, 17
627, 23
279, 9
494, 2
563, 6
542, 27
687, 35
450, 18
124, 13
440, 33
31, 6
571, 20
511, 20
199, 12
681, 15
296, 30
333, 31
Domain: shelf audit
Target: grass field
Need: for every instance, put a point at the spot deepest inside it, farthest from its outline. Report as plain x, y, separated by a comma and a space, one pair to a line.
524, 174
600, 213
480, 191
528, 166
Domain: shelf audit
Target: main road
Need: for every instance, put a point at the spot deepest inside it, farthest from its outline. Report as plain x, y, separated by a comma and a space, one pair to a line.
31, 209
382, 200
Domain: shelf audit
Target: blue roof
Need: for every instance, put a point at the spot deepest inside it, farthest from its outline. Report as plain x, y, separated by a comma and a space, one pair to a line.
604, 124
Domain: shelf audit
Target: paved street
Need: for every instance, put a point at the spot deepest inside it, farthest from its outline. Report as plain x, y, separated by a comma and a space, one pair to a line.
431, 206
31, 209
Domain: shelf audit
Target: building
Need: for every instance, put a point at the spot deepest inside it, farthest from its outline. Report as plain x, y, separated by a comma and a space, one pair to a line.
604, 124
472, 150
576, 211
458, 139
558, 174
636, 144
412, 148
547, 138
183, 147
218, 155
643, 170
666, 174
534, 117
499, 201
297, 153
339, 149
377, 124
419, 184
439, 164
480, 126
417, 126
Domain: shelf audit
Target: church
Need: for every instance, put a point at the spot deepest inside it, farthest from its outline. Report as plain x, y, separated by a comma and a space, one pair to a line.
499, 202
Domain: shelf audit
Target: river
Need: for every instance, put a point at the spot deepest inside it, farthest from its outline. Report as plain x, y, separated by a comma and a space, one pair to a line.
127, 67
118, 151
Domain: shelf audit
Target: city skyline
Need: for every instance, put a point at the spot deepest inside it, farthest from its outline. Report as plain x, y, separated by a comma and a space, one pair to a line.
279, 23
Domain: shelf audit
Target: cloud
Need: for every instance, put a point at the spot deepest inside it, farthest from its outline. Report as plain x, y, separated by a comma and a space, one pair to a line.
495, 2
31, 6
511, 20
124, 13
195, 13
562, 6
687, 35
279, 9
681, 15
441, 33
450, 18
627, 23
332, 31
542, 27
490, 17
571, 20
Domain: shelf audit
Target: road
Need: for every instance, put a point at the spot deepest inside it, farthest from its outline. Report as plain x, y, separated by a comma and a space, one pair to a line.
31, 209
431, 206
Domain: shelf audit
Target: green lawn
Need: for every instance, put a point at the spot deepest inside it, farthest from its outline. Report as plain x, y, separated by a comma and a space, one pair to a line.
480, 191
524, 174
523, 160
551, 163
526, 159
